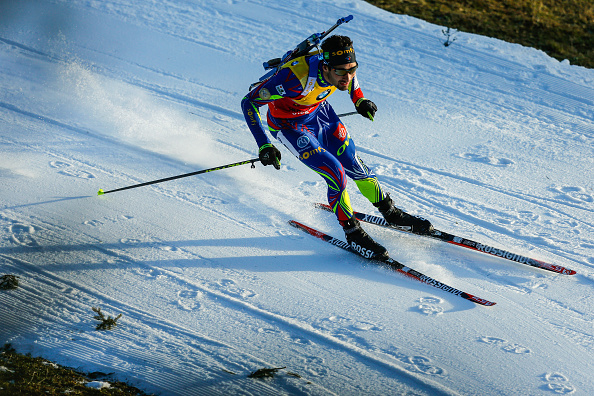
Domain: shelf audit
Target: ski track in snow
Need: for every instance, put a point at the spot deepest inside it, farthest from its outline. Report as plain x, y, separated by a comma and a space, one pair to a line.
227, 290
204, 308
23, 235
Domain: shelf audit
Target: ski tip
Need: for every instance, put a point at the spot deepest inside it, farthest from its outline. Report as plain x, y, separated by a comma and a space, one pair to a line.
100, 192
480, 301
561, 270
552, 267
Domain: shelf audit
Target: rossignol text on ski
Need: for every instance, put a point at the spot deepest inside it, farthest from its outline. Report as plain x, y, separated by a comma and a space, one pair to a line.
464, 242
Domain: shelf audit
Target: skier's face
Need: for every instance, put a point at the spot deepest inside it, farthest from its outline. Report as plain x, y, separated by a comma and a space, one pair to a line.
341, 75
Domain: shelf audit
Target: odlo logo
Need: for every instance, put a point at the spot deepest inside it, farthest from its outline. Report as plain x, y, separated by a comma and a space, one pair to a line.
342, 148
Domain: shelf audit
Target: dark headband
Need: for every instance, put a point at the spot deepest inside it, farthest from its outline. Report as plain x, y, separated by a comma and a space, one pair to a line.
340, 56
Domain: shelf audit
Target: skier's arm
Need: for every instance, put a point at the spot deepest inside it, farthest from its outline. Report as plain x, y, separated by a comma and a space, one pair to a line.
251, 112
355, 90
364, 106
284, 84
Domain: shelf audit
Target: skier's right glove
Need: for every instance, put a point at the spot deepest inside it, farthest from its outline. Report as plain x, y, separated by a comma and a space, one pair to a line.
270, 155
366, 108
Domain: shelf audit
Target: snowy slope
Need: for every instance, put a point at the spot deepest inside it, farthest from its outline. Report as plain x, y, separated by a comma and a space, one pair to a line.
489, 140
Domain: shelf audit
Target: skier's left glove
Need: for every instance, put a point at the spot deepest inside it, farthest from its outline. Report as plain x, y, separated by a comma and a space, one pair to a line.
366, 108
270, 155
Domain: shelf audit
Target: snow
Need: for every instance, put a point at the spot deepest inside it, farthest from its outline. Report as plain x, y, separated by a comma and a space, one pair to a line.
489, 140
98, 385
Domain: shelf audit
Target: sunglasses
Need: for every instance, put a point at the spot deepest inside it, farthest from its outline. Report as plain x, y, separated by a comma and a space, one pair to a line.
343, 72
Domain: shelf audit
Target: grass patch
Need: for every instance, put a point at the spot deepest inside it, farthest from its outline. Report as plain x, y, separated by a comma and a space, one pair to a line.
26, 375
564, 29
9, 282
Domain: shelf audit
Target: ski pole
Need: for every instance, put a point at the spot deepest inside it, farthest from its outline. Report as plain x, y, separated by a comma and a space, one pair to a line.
101, 192
347, 114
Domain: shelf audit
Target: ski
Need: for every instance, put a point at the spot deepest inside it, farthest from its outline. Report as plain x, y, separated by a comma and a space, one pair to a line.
460, 241
394, 265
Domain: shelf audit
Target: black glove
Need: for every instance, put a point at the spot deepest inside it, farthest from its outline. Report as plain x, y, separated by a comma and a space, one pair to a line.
366, 108
269, 155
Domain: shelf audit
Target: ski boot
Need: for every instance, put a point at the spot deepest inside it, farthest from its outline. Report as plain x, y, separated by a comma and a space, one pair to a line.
399, 218
361, 242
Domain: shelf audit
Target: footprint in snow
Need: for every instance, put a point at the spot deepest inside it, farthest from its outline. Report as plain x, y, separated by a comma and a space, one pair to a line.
298, 340
93, 223
150, 273
423, 365
516, 348
67, 169
486, 159
430, 310
315, 366
365, 326
130, 241
429, 306
231, 287
290, 234
187, 299
492, 340
577, 195
209, 200
169, 248
22, 234
418, 363
558, 383
78, 173
349, 330
59, 164
505, 345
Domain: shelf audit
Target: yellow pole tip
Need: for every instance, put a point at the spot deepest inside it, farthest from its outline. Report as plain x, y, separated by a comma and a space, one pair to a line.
100, 192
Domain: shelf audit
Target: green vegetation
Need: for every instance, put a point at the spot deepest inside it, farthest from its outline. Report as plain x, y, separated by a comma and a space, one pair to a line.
26, 375
564, 29
107, 322
265, 372
9, 282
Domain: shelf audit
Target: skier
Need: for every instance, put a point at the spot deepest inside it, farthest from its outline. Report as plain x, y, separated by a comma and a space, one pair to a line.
301, 119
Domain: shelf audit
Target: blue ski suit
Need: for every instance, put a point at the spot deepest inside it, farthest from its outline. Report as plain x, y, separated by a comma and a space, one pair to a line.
300, 117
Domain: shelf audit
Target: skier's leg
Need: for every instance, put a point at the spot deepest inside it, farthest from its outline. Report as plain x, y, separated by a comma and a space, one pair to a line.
305, 146
337, 140
309, 151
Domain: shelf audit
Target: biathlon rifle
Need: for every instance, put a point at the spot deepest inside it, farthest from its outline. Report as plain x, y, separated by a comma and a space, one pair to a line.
302, 49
